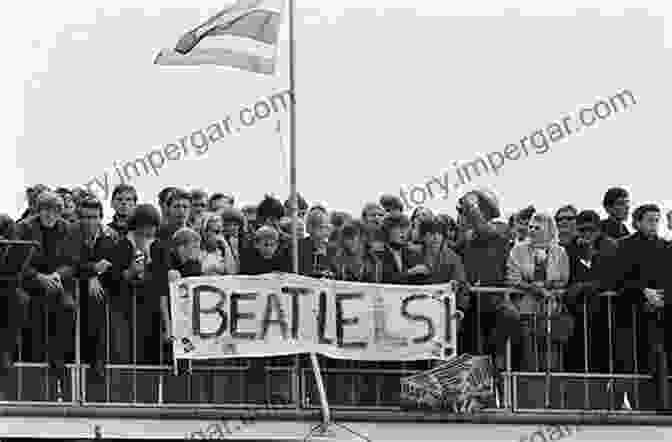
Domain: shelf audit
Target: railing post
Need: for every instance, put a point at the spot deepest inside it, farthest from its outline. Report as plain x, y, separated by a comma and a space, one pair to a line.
77, 376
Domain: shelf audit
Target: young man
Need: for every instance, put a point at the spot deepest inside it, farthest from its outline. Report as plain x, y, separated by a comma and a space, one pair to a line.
313, 256
199, 204
184, 262
46, 281
177, 208
232, 230
401, 264
565, 219
124, 200
163, 199
643, 276
617, 204
265, 256
134, 289
485, 252
301, 206
392, 204
92, 252
591, 259
219, 202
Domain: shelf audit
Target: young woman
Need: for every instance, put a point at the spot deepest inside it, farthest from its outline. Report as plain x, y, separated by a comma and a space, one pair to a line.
537, 266
216, 257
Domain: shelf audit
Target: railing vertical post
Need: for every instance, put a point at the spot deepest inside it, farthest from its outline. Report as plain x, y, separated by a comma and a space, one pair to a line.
610, 320
134, 335
76, 384
586, 352
108, 347
635, 351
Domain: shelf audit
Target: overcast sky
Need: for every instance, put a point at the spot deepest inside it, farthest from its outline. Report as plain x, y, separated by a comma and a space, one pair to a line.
388, 98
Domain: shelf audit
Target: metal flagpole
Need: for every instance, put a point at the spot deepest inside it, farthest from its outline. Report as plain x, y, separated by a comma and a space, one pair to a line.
294, 203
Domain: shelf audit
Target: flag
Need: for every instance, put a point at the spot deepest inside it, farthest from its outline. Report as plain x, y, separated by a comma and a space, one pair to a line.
242, 36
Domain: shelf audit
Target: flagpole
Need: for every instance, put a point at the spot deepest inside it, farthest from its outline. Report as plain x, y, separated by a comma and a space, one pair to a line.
326, 418
292, 143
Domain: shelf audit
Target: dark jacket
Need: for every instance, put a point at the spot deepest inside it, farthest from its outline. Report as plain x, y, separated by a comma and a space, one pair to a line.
641, 262
252, 263
311, 263
600, 267
52, 256
614, 229
85, 257
393, 274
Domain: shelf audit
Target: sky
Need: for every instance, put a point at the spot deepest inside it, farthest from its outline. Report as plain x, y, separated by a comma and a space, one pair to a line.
389, 97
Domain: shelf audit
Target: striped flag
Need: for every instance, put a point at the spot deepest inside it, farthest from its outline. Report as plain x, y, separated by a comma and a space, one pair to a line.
242, 36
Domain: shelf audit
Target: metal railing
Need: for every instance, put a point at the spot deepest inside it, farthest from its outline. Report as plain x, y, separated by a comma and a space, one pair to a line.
287, 382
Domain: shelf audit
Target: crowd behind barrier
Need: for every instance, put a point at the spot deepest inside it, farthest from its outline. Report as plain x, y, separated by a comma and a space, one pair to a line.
570, 307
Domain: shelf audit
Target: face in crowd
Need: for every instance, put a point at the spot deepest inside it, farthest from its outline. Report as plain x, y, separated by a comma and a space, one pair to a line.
124, 202
649, 223
566, 221
213, 231
178, 210
217, 205
433, 239
374, 216
69, 206
620, 209
318, 226
50, 208
198, 206
266, 246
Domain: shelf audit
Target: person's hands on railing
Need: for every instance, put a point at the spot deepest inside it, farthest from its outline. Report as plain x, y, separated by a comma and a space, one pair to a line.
96, 289
655, 298
420, 269
173, 275
102, 266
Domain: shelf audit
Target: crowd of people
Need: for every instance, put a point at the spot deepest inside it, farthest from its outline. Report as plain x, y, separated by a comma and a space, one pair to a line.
562, 262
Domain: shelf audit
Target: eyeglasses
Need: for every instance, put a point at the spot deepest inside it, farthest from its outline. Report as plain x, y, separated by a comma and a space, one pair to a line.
566, 219
534, 227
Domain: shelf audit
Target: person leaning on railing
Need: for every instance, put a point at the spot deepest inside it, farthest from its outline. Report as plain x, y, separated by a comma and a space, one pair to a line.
643, 275
537, 266
591, 259
47, 280
92, 253
130, 271
485, 249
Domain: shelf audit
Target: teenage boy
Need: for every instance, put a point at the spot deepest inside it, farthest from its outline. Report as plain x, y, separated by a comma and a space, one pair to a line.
124, 200
616, 202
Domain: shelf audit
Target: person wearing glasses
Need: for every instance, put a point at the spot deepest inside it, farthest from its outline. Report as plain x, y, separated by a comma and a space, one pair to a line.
591, 257
565, 218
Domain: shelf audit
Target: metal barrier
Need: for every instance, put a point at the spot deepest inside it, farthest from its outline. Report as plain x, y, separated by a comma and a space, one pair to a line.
287, 382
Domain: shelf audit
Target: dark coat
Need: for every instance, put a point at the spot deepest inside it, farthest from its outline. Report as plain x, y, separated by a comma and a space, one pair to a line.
252, 263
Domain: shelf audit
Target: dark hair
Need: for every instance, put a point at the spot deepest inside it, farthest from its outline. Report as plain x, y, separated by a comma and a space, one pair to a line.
165, 194
640, 211
351, 229
233, 214
301, 203
340, 219
126, 188
568, 208
177, 194
430, 225
144, 215
198, 194
612, 195
90, 203
587, 217
391, 202
7, 227
448, 222
269, 208
368, 207
394, 220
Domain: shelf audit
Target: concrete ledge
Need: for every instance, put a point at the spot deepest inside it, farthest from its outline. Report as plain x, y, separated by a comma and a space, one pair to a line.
186, 412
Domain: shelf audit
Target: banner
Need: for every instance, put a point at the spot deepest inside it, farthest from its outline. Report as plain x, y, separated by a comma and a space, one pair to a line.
281, 314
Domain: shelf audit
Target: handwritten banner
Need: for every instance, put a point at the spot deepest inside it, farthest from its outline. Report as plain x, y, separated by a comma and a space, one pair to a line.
281, 314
